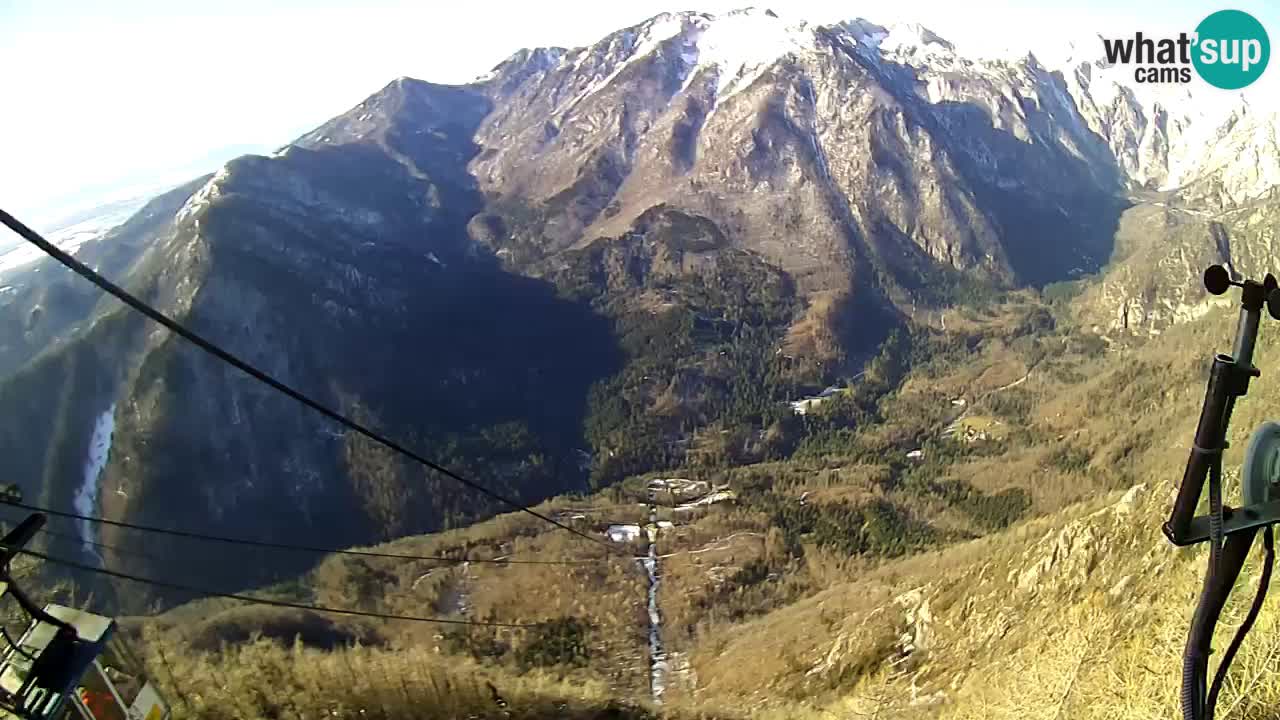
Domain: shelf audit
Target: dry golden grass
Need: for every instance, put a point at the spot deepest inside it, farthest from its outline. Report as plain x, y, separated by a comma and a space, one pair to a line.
264, 679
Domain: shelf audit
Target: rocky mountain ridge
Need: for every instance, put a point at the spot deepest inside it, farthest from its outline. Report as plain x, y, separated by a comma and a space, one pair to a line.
995, 133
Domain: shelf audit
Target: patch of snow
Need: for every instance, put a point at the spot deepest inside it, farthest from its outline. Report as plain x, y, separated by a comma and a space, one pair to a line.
738, 47
85, 499
913, 39
742, 45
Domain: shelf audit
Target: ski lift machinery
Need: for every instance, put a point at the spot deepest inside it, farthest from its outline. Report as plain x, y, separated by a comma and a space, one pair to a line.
1230, 531
68, 664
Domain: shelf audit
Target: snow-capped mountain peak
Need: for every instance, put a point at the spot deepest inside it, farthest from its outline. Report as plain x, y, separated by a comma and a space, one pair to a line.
914, 38
736, 45
900, 39
1156, 135
741, 44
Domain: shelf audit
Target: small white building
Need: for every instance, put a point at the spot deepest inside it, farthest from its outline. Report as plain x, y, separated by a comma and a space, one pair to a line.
623, 533
804, 405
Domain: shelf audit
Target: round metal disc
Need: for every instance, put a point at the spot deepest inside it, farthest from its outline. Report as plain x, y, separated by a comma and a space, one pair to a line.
1261, 467
1216, 279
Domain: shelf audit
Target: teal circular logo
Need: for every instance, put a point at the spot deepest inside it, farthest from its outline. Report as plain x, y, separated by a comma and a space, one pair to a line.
1232, 49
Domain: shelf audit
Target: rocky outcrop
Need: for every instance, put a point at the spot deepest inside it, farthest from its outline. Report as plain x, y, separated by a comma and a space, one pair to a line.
1066, 557
917, 634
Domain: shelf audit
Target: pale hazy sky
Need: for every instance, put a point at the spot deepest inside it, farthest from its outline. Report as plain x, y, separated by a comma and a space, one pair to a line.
103, 96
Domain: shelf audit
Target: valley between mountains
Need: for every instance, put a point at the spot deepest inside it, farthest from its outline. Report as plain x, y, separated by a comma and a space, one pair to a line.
873, 363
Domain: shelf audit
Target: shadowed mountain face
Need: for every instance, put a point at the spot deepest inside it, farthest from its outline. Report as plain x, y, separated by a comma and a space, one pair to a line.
591, 263
341, 267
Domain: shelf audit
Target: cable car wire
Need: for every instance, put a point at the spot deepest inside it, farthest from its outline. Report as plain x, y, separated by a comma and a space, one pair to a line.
270, 545
213, 349
264, 601
80, 542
